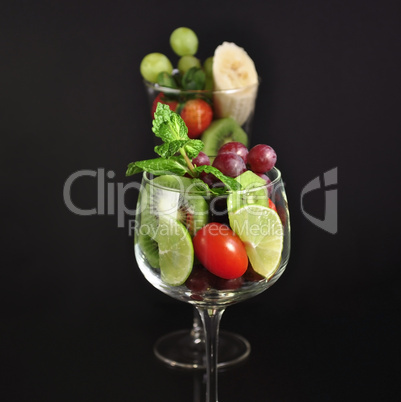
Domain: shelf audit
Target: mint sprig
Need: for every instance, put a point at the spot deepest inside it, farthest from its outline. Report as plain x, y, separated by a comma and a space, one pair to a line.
170, 127
158, 167
176, 151
231, 183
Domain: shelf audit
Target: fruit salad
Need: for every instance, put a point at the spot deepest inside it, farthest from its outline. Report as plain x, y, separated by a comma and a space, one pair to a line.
215, 98
208, 224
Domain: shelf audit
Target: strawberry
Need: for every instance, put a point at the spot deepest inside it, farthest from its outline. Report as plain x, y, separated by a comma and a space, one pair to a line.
163, 99
197, 115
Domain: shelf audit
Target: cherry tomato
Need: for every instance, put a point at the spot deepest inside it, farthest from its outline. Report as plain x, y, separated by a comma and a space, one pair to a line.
220, 251
162, 99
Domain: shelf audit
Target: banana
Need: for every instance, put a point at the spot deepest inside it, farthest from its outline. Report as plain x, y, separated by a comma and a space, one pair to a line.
235, 73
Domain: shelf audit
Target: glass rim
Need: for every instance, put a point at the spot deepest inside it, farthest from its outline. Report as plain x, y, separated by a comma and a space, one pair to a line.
177, 91
273, 182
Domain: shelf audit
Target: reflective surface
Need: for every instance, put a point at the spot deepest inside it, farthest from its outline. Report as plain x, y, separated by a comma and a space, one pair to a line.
300, 353
178, 349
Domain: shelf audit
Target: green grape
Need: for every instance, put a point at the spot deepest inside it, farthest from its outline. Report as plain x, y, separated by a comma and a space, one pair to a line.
209, 84
208, 66
153, 64
184, 41
186, 62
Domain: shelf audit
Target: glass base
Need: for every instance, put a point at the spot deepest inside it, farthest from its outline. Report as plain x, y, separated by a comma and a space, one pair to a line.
178, 349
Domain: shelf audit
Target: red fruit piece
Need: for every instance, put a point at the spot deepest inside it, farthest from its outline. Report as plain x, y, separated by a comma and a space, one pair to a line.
197, 115
261, 158
161, 97
209, 178
220, 251
200, 280
252, 276
229, 164
272, 205
235, 147
228, 284
201, 159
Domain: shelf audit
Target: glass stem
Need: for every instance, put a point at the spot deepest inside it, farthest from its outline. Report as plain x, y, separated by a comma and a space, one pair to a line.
197, 328
211, 323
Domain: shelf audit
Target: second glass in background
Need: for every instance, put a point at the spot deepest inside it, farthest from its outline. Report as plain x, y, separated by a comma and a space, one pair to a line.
213, 116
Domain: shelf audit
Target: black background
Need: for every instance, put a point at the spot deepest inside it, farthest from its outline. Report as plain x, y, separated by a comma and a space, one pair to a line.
78, 319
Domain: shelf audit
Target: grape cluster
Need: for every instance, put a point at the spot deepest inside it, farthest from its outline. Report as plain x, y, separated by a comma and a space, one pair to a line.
190, 73
234, 158
200, 280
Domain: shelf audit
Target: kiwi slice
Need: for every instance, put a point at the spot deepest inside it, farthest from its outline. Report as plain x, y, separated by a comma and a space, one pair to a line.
188, 207
150, 249
220, 132
145, 233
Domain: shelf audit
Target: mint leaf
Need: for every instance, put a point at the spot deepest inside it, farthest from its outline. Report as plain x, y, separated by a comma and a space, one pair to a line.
170, 148
193, 147
194, 79
231, 183
169, 125
165, 79
180, 160
157, 166
177, 149
199, 186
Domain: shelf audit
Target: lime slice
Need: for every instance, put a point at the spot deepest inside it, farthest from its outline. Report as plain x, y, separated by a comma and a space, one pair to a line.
176, 251
254, 191
261, 231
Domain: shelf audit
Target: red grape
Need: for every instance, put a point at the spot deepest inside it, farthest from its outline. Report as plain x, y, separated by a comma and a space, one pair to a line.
208, 178
263, 176
201, 159
200, 279
228, 284
235, 147
229, 164
261, 158
268, 181
252, 276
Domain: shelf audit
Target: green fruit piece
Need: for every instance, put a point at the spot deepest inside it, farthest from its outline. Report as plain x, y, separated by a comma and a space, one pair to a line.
176, 251
144, 235
209, 84
153, 64
220, 132
187, 62
184, 41
193, 79
187, 205
208, 67
150, 249
261, 231
166, 80
253, 192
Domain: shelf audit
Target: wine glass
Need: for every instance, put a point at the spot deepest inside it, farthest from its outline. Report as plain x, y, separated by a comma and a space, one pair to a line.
232, 118
230, 112
179, 226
